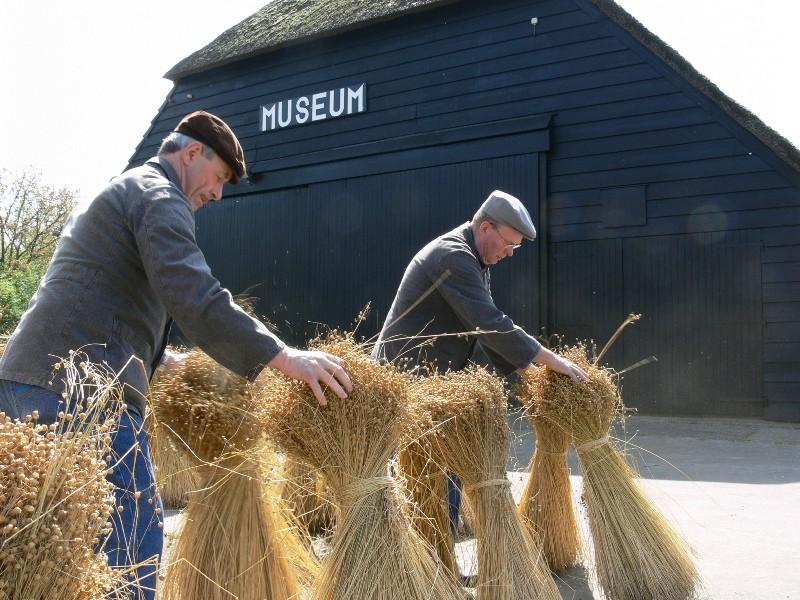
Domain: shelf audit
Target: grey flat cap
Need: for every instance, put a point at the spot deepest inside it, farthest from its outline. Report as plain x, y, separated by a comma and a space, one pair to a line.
508, 210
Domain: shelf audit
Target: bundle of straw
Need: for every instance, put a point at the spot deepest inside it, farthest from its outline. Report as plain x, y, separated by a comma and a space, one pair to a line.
234, 541
547, 502
375, 553
55, 501
307, 495
426, 487
177, 471
470, 436
207, 407
637, 554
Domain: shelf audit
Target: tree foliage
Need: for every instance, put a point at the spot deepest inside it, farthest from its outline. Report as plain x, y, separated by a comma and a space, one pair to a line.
32, 215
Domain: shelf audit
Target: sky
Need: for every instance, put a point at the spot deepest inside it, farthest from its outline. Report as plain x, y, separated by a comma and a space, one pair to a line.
82, 80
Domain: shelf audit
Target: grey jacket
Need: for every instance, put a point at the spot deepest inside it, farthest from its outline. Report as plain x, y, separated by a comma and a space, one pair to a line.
446, 290
125, 263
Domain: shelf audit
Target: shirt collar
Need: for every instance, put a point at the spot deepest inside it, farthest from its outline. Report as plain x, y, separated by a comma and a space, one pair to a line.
469, 235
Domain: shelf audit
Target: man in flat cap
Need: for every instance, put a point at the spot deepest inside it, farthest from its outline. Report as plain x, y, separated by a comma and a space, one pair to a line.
445, 290
126, 265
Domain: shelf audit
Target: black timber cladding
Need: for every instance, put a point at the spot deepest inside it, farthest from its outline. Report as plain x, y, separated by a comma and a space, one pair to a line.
712, 209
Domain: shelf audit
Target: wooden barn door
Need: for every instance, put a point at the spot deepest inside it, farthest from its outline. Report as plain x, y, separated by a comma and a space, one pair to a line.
318, 254
700, 297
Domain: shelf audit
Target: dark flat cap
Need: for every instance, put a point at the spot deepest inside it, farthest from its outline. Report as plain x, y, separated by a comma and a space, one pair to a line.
214, 132
506, 209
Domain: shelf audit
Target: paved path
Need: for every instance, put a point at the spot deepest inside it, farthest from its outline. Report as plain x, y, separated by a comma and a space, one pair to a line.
731, 486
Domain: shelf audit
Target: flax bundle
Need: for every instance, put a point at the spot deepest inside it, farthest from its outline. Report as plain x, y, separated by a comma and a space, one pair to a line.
375, 552
426, 487
469, 411
234, 540
547, 502
177, 471
55, 501
307, 495
637, 554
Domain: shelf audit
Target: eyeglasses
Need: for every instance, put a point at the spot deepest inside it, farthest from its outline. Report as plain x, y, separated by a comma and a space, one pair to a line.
508, 244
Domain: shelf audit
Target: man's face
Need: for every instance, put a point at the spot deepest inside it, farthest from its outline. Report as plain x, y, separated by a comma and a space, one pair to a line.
496, 241
204, 177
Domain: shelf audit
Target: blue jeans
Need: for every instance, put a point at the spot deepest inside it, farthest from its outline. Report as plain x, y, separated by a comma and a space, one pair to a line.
454, 486
136, 536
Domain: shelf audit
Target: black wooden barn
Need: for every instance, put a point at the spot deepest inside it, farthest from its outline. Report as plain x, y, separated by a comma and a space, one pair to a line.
371, 127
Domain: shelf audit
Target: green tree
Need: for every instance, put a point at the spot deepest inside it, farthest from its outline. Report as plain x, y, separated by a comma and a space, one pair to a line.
32, 215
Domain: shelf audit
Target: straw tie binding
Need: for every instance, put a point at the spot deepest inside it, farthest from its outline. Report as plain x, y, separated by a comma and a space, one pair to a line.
591, 445
487, 483
359, 488
548, 453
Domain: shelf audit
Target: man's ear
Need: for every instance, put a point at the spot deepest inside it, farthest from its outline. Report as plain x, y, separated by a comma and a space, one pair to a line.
191, 152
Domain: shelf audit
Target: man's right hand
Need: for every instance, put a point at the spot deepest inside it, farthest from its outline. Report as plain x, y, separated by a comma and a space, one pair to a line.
319, 370
559, 364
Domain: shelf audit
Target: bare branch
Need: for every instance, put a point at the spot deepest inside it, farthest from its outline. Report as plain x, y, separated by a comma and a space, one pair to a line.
32, 216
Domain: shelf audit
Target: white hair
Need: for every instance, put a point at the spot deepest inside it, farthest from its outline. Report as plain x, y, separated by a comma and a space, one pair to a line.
178, 141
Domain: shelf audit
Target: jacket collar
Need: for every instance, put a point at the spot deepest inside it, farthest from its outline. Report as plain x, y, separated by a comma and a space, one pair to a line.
169, 171
469, 235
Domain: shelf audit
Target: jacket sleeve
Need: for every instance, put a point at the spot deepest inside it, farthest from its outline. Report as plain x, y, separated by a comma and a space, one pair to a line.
163, 225
464, 290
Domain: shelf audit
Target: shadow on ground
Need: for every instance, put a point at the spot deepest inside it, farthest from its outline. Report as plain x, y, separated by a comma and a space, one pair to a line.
690, 449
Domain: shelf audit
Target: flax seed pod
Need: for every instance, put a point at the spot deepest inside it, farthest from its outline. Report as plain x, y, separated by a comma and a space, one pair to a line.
55, 501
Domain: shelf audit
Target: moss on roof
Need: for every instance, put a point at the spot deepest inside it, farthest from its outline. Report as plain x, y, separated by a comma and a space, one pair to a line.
283, 22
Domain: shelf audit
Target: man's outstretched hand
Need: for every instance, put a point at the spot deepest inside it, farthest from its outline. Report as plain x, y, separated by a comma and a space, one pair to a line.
319, 370
559, 364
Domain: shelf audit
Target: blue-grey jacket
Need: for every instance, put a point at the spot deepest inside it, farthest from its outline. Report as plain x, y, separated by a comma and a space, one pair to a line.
125, 263
446, 290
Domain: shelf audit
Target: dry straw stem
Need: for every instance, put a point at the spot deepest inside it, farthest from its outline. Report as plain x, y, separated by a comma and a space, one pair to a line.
177, 471
637, 554
547, 501
471, 434
426, 487
375, 551
235, 541
466, 521
307, 496
55, 501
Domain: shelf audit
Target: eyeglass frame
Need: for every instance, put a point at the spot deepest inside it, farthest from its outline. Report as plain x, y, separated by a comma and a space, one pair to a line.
502, 237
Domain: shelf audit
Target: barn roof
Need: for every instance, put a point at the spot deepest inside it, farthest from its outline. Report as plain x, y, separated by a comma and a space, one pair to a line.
288, 22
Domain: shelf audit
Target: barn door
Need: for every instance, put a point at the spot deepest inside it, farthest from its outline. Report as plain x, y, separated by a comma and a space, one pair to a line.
319, 253
701, 301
